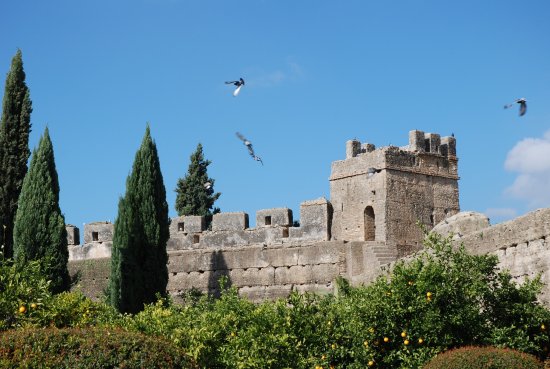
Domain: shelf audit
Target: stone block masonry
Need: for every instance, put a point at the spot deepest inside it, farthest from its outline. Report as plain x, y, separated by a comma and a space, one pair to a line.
522, 244
268, 260
377, 198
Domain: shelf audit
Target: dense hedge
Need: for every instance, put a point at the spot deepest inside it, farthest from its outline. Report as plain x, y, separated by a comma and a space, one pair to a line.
484, 358
442, 299
87, 348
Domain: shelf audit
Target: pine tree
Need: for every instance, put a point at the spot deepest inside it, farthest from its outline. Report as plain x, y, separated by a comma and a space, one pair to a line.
39, 230
195, 192
139, 259
15, 128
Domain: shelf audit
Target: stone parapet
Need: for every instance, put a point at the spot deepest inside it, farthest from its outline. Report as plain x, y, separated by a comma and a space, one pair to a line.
274, 217
230, 221
98, 232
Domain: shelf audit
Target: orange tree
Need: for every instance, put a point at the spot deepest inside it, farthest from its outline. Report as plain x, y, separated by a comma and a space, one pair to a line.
443, 298
440, 299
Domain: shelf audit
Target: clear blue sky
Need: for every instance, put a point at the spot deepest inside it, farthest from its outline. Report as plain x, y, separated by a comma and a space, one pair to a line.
318, 73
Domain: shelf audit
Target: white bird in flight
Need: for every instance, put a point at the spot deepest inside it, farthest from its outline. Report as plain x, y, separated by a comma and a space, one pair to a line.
239, 84
248, 145
522, 106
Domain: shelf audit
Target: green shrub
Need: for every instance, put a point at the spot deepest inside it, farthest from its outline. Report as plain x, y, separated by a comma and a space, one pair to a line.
81, 348
73, 309
443, 298
23, 291
484, 358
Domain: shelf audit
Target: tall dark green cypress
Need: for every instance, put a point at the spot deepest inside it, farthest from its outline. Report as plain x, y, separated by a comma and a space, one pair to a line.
15, 128
39, 230
195, 192
139, 259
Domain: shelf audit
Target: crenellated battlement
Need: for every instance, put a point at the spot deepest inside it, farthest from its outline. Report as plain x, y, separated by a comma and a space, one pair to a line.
377, 198
273, 227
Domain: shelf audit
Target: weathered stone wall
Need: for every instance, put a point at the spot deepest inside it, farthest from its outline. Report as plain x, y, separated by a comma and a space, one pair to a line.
394, 188
91, 276
522, 245
263, 262
414, 198
258, 271
377, 198
353, 189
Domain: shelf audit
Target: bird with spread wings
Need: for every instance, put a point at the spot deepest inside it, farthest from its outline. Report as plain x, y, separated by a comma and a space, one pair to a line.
248, 145
239, 84
522, 106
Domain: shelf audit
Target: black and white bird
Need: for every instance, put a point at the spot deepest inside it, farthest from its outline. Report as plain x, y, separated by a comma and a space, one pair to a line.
248, 145
208, 185
522, 106
239, 84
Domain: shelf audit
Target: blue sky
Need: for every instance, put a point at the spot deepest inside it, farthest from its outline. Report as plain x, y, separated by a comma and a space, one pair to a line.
318, 73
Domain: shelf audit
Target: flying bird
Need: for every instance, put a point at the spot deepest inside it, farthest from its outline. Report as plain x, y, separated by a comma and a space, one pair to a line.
522, 106
208, 185
248, 145
239, 84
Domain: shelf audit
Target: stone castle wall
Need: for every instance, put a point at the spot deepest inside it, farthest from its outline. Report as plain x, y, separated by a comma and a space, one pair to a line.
522, 244
378, 196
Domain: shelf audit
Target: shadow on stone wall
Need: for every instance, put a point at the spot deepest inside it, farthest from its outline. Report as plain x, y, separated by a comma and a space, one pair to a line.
219, 270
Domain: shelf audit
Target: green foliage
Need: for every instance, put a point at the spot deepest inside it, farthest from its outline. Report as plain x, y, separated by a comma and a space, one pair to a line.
15, 128
444, 298
73, 309
81, 348
139, 257
484, 358
194, 196
39, 231
23, 291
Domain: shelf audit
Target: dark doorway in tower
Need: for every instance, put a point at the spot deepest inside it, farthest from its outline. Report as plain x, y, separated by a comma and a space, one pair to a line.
370, 226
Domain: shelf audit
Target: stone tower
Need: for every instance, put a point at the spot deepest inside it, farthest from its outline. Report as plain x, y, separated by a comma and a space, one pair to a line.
381, 194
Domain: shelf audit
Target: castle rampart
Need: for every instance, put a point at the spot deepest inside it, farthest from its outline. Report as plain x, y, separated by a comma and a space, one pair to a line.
522, 244
378, 196
381, 194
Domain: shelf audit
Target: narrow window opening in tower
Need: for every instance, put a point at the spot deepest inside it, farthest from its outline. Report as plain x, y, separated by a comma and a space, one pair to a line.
268, 220
196, 238
370, 225
432, 219
285, 233
95, 236
181, 227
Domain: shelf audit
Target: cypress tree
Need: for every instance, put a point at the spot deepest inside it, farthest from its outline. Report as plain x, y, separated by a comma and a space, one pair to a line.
15, 128
195, 192
139, 259
39, 230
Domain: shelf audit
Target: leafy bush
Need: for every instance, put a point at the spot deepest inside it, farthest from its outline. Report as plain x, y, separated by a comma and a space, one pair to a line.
23, 291
443, 298
73, 309
484, 358
79, 348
